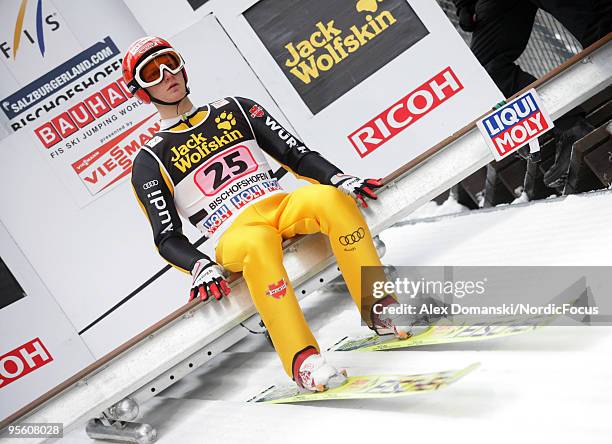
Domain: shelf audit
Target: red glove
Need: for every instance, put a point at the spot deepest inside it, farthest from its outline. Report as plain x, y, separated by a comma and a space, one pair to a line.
208, 280
357, 188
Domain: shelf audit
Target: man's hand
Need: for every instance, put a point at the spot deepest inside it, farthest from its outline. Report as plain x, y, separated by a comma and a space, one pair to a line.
467, 19
208, 280
357, 188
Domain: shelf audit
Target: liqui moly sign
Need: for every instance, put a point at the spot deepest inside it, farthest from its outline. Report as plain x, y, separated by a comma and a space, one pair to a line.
515, 124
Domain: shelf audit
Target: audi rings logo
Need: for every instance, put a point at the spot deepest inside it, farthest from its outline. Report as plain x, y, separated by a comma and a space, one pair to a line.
352, 238
150, 184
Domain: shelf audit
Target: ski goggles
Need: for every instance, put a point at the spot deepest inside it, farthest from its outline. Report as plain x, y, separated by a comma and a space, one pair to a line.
150, 71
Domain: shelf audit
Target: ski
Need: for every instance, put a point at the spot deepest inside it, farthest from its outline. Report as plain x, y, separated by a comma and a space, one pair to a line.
438, 334
366, 387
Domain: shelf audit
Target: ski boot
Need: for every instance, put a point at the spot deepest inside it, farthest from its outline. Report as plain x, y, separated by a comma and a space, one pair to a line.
386, 324
312, 373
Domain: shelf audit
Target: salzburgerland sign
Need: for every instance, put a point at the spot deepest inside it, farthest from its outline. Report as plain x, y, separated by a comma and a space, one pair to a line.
327, 47
84, 120
57, 79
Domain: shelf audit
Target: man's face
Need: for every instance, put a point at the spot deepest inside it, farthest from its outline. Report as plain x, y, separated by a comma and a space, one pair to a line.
171, 89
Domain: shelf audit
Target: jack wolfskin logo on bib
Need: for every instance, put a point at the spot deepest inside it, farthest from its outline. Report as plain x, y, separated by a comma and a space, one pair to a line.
197, 147
338, 45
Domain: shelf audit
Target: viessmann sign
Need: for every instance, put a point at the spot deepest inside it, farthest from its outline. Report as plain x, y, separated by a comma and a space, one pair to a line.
327, 47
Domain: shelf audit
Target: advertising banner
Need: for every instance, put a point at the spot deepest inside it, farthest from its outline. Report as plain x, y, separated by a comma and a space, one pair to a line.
34, 38
23, 360
67, 92
327, 47
39, 347
515, 124
370, 84
62, 105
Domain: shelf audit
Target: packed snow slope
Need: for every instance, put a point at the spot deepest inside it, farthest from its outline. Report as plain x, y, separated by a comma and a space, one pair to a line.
551, 385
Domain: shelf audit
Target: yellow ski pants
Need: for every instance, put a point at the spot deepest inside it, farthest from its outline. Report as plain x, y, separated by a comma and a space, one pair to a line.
252, 244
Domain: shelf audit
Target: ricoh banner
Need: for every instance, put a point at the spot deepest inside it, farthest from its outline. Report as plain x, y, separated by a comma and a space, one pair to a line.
62, 84
371, 84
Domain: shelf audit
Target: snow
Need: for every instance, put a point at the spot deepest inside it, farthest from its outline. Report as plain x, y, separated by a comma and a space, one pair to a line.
574, 230
549, 385
433, 209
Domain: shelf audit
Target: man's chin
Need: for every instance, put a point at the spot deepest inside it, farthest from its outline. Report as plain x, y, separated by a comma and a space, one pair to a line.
172, 98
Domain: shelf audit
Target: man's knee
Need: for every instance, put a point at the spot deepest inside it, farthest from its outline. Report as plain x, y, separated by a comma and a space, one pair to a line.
327, 197
256, 242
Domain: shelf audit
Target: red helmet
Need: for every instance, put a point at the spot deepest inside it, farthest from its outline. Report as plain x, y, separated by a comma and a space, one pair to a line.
144, 50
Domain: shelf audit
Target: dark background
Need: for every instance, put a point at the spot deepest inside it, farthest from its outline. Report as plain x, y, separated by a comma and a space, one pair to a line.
10, 290
195, 4
279, 22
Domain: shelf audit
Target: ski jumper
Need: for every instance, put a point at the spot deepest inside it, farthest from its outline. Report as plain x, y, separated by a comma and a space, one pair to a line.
210, 168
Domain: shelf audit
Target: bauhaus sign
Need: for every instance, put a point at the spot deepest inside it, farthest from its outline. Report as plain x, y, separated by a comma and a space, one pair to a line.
327, 47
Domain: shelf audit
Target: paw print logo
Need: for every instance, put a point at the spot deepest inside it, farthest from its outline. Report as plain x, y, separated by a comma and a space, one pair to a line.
367, 5
225, 121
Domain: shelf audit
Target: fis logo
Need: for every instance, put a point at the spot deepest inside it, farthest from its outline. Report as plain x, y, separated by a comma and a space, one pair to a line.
246, 196
41, 23
256, 111
277, 290
215, 220
515, 124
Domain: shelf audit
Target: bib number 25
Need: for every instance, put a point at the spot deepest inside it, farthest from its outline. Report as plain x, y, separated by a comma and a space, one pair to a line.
223, 169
